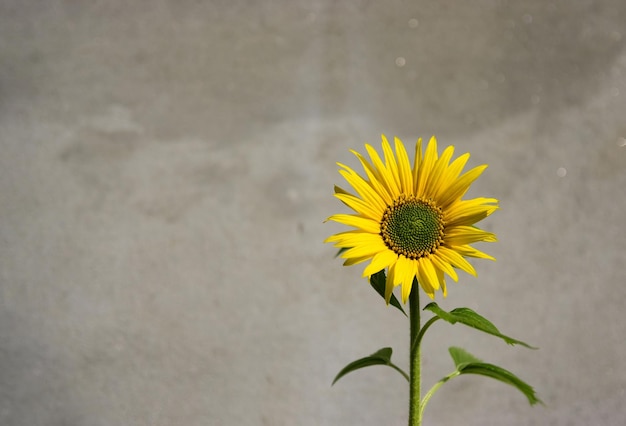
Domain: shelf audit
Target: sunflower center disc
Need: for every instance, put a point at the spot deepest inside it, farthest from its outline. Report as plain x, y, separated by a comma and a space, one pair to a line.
412, 227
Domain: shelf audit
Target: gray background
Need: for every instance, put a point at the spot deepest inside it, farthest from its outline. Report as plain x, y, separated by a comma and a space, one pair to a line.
165, 169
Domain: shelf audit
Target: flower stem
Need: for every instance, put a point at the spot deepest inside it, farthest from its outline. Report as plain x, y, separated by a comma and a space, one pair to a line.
415, 413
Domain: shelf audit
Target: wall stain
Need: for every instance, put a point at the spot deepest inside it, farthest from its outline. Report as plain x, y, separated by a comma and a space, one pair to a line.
119, 167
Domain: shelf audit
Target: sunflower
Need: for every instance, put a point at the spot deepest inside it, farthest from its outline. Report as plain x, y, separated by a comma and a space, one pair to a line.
412, 220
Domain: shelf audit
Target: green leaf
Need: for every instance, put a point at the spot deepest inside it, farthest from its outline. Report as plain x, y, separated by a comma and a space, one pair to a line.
461, 357
339, 190
378, 282
472, 319
341, 250
380, 357
468, 364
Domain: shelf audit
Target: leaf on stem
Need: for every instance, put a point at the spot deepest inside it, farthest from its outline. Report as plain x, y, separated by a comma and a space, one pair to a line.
378, 281
380, 357
461, 357
466, 363
472, 319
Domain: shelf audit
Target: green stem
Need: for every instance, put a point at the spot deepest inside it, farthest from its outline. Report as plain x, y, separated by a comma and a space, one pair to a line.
415, 412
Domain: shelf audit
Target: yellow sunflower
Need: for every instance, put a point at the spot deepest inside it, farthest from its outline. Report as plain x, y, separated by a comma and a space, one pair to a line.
412, 220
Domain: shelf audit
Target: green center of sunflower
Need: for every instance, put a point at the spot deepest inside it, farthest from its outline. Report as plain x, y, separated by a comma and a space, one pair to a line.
412, 227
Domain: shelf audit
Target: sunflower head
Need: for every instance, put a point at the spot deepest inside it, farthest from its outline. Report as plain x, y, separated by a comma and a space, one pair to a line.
411, 220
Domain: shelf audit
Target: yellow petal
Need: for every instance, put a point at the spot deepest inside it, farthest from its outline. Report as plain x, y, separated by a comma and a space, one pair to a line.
389, 283
460, 186
355, 260
381, 260
387, 178
444, 266
400, 270
363, 223
364, 189
451, 173
461, 235
430, 156
364, 250
472, 252
357, 239
442, 281
341, 235
410, 269
437, 176
404, 168
390, 162
375, 179
360, 206
468, 212
417, 162
424, 282
366, 165
456, 260
429, 272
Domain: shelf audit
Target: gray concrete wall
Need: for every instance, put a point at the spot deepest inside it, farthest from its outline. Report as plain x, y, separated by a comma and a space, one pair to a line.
165, 169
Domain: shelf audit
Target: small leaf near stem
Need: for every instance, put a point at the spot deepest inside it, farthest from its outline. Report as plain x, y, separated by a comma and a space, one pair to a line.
472, 319
380, 357
467, 363
378, 281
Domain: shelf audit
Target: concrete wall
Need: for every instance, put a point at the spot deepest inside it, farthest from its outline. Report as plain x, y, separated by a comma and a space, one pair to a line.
165, 169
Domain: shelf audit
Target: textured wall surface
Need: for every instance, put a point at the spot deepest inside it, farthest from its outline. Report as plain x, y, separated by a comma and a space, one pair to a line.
166, 166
